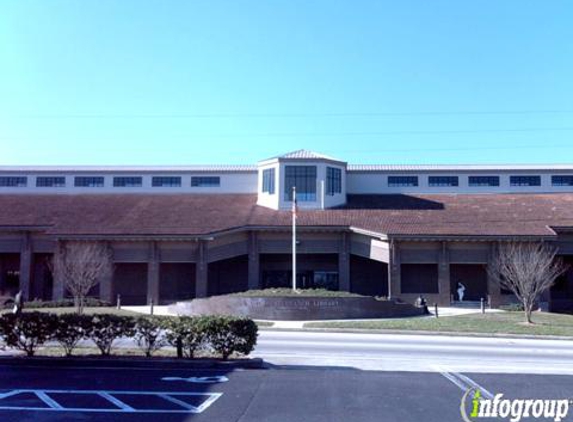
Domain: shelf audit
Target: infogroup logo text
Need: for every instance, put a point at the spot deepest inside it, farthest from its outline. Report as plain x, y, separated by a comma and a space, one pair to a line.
512, 409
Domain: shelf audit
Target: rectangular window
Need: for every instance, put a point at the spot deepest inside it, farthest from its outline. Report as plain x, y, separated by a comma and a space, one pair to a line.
166, 182
443, 181
88, 182
477, 181
51, 182
402, 181
562, 180
333, 181
525, 180
13, 181
127, 182
206, 181
304, 179
269, 181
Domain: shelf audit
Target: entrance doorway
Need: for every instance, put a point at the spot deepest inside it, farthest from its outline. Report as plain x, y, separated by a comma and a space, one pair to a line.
473, 277
304, 279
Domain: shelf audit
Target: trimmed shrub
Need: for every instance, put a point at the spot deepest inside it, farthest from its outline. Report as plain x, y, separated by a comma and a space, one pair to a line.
27, 331
70, 330
149, 334
89, 302
228, 335
287, 291
223, 334
184, 333
106, 328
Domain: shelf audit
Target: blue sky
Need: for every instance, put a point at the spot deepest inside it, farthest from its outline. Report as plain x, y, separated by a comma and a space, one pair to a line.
236, 81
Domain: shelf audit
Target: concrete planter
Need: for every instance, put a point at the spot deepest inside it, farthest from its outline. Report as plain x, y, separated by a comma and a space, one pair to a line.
290, 308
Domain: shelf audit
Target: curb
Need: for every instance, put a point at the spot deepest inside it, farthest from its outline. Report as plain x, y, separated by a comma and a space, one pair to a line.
419, 332
133, 362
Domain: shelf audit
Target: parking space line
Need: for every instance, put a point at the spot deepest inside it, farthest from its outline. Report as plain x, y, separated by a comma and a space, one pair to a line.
173, 397
463, 382
48, 400
9, 393
176, 401
116, 401
474, 384
213, 397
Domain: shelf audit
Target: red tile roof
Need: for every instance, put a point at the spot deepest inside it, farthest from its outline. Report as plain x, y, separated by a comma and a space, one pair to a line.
202, 214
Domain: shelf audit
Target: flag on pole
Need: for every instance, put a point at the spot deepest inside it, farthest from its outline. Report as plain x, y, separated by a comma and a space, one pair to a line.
294, 211
294, 203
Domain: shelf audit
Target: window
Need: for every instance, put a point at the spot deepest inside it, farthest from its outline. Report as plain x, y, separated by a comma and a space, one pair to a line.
88, 182
304, 179
333, 181
562, 180
477, 181
402, 181
269, 181
127, 182
525, 180
325, 280
166, 182
206, 181
440, 181
13, 181
51, 182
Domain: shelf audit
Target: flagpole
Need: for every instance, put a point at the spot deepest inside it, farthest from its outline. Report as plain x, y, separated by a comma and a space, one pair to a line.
294, 238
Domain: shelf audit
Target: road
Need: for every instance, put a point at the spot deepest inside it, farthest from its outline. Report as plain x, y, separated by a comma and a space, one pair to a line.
310, 377
285, 394
417, 353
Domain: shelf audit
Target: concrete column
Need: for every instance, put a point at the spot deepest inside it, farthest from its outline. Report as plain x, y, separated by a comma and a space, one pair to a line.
344, 263
394, 271
153, 268
106, 291
493, 288
254, 262
201, 270
58, 288
26, 266
2, 276
444, 288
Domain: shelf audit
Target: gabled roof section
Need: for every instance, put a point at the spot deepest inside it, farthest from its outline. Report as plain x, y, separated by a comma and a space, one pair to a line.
493, 216
304, 154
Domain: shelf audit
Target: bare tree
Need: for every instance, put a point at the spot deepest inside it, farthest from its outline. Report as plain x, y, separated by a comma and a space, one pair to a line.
80, 266
527, 269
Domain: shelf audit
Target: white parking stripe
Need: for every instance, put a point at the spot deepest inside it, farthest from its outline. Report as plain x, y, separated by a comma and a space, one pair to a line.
48, 400
116, 401
54, 406
176, 401
465, 383
9, 394
474, 384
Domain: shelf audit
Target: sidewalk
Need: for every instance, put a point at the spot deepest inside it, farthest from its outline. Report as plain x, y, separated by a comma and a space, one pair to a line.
146, 310
294, 325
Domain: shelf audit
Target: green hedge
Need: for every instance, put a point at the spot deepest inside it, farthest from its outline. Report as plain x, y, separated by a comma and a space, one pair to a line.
284, 291
89, 302
220, 334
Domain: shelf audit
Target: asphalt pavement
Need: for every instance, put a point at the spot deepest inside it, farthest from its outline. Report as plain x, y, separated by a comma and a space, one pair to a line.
277, 394
418, 353
308, 376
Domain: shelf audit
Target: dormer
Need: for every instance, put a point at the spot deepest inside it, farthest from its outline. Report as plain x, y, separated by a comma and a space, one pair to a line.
320, 181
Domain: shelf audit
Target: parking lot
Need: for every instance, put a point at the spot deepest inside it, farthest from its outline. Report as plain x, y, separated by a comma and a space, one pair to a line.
276, 394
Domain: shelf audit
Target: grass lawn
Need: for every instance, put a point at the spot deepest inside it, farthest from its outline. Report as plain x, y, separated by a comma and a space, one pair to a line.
492, 323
